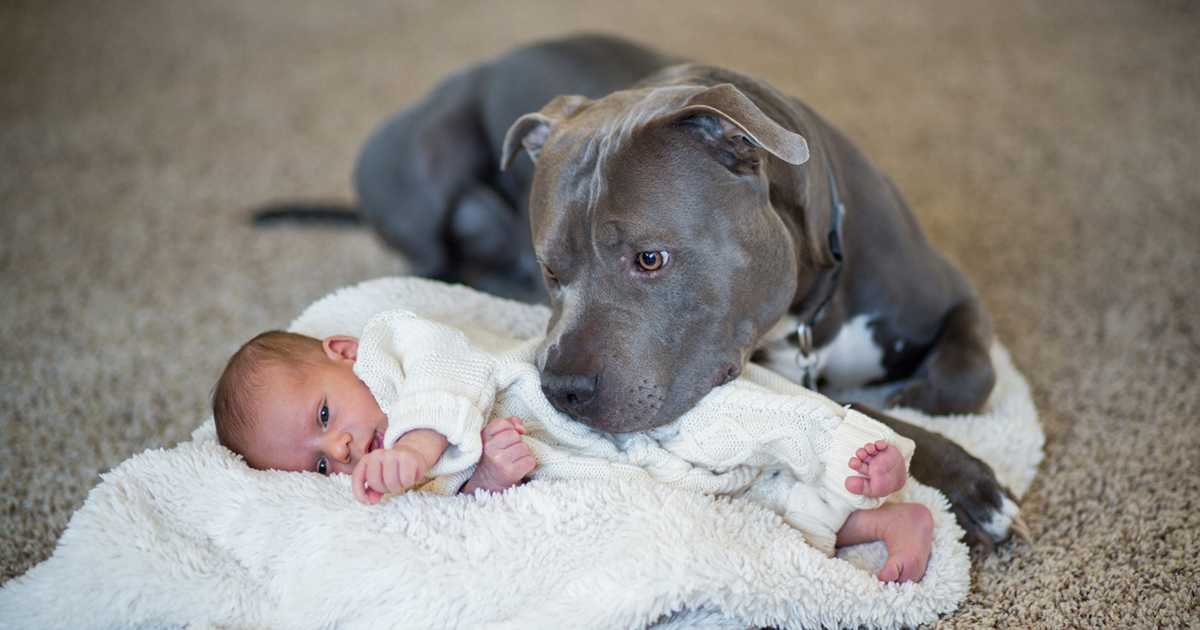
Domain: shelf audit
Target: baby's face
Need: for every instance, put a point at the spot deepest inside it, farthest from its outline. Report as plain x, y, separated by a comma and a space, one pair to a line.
320, 418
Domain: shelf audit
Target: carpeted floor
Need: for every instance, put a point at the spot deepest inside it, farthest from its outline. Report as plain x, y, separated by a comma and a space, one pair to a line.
1051, 149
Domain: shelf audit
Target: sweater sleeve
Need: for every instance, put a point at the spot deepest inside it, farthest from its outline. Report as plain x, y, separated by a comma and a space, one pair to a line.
813, 437
802, 432
426, 375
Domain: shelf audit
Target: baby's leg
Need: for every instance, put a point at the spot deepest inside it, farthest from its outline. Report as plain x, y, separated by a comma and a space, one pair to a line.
906, 529
882, 468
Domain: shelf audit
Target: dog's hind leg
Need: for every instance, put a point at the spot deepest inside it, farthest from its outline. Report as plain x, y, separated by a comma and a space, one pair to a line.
418, 166
956, 375
492, 243
483, 228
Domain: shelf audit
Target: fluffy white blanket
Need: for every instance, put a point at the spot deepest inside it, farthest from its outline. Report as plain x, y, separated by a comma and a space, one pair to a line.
190, 536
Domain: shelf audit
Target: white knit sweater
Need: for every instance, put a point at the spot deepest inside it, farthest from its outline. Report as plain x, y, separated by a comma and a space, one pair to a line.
759, 436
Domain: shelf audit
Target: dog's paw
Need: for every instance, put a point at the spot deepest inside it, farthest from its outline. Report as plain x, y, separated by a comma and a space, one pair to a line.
988, 516
984, 508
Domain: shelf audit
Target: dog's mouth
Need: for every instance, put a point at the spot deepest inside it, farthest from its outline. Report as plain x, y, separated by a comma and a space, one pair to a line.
726, 373
650, 405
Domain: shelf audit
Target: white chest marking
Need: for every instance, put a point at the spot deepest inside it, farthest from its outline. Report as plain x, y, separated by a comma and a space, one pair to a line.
850, 360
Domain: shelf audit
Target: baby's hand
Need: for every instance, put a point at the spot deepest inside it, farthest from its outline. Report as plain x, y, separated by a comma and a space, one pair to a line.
506, 459
387, 471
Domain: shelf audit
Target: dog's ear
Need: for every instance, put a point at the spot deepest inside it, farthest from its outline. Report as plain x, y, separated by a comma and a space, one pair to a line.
531, 130
731, 124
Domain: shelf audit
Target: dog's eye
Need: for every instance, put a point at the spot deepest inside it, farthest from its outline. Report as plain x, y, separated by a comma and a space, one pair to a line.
652, 261
550, 277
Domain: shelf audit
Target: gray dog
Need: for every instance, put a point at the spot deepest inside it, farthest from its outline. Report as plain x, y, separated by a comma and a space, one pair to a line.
681, 220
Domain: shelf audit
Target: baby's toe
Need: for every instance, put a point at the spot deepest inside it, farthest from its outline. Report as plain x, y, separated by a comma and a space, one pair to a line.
912, 572
891, 571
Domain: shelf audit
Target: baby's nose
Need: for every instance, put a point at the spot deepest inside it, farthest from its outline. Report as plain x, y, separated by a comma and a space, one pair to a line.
341, 448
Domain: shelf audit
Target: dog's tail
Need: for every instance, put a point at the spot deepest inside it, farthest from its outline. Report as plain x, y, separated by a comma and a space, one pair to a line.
306, 213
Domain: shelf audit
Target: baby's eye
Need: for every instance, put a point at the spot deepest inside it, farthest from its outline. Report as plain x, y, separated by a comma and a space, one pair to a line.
323, 466
323, 416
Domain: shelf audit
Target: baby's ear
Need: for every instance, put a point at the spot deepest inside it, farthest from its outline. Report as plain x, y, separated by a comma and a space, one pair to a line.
340, 347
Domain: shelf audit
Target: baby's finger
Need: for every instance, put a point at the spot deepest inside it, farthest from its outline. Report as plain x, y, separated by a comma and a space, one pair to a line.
391, 475
518, 424
409, 474
501, 441
375, 475
357, 479
497, 426
517, 450
524, 465
514, 453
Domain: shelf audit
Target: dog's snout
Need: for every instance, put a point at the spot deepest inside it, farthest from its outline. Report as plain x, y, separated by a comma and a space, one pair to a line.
570, 393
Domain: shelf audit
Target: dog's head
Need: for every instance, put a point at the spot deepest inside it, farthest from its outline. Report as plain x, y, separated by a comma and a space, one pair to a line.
664, 258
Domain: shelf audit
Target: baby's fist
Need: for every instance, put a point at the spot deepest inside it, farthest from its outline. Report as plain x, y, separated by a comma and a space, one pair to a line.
387, 471
506, 459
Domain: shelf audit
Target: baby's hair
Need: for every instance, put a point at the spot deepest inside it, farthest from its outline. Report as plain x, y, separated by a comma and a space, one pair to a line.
232, 402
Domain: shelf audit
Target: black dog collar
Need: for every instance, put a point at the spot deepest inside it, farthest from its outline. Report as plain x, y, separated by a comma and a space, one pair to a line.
828, 283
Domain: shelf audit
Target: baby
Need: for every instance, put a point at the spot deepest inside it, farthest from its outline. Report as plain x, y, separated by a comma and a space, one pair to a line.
408, 405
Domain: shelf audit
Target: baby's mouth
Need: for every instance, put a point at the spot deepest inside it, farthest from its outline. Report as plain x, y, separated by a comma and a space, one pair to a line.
376, 442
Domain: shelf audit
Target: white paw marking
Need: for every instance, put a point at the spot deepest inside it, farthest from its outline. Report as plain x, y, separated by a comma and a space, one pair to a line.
1001, 522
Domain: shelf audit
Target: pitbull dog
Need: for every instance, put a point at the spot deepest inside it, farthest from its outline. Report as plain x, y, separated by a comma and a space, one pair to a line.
682, 219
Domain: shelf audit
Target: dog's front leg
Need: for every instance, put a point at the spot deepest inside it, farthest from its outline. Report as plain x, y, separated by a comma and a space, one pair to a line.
985, 509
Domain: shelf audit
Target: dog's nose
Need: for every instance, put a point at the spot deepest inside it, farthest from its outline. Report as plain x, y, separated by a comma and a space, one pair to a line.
569, 393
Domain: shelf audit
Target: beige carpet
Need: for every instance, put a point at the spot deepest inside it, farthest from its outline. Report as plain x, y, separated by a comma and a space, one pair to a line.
1052, 149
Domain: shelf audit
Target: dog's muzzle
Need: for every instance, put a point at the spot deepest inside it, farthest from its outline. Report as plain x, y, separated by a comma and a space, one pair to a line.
572, 394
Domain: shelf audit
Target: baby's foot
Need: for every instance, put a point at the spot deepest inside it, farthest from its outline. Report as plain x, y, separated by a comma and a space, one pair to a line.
908, 535
882, 469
